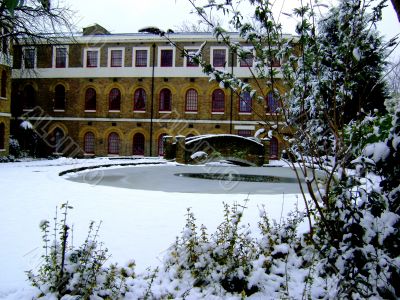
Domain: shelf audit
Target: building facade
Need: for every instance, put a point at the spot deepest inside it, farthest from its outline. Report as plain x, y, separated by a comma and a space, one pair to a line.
5, 93
119, 94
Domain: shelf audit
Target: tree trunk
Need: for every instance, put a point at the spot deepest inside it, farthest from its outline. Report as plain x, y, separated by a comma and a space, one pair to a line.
396, 6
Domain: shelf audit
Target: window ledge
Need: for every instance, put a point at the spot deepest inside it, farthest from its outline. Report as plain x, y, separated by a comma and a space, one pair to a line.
90, 111
139, 111
245, 113
3, 98
27, 109
165, 111
191, 112
88, 154
218, 113
59, 110
2, 150
114, 111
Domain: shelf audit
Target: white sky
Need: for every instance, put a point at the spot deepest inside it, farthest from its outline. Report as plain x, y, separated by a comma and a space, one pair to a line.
128, 16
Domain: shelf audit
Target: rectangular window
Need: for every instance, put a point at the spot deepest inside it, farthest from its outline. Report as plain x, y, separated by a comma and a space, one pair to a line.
141, 58
29, 58
116, 58
189, 61
92, 58
276, 63
166, 58
246, 60
219, 58
61, 54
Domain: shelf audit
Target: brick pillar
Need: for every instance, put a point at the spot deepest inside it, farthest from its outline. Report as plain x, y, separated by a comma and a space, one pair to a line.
168, 143
180, 149
265, 143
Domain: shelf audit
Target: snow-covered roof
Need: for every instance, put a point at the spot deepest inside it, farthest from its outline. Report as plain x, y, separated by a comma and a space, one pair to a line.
207, 136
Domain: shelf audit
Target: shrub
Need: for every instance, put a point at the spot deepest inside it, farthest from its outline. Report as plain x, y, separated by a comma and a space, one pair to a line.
77, 272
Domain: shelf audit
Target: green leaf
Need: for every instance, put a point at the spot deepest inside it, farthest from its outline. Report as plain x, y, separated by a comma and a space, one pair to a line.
11, 5
45, 4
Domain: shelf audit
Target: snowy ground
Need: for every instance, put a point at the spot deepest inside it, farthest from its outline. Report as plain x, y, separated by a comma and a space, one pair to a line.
136, 224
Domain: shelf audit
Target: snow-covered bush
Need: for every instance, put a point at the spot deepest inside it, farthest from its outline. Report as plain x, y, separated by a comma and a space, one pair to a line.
359, 237
371, 129
232, 262
78, 272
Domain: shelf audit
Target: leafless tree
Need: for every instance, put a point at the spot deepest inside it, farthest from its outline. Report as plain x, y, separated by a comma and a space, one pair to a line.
394, 77
34, 20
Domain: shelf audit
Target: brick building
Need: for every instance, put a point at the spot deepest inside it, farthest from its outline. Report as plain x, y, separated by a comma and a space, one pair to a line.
119, 94
5, 94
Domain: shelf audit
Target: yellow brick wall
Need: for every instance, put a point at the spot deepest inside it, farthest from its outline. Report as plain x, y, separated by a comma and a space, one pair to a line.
5, 108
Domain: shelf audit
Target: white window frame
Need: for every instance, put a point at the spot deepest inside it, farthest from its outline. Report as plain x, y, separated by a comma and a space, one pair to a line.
134, 56
85, 57
173, 55
250, 48
212, 56
54, 56
34, 59
109, 56
186, 58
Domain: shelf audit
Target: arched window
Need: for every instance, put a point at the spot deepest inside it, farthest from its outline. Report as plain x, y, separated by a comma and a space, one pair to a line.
90, 99
191, 100
273, 148
272, 103
113, 143
114, 100
161, 144
2, 136
59, 97
3, 93
89, 142
165, 100
139, 100
28, 97
245, 103
218, 101
138, 144
58, 135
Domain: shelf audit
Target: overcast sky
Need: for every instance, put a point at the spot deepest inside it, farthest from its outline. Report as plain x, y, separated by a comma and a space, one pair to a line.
128, 16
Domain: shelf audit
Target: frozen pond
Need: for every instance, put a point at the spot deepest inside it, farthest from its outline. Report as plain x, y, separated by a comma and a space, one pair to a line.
195, 179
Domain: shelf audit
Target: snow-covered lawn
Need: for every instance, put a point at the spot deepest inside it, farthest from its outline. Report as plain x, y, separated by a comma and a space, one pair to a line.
136, 224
